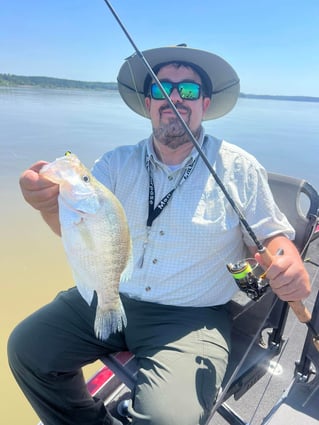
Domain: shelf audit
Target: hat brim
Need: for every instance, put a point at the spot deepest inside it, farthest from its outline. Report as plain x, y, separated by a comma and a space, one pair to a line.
225, 82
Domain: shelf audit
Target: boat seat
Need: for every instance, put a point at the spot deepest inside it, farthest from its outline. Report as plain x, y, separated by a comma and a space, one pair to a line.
300, 202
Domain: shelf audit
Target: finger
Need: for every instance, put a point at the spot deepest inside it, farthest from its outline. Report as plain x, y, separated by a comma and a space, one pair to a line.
289, 293
38, 165
30, 179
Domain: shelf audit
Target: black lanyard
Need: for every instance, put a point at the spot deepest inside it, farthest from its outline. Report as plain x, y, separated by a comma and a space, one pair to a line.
153, 213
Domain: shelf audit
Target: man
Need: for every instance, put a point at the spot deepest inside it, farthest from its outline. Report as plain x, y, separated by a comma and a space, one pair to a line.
184, 232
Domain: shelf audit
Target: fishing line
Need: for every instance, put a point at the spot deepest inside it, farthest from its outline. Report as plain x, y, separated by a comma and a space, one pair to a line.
220, 399
242, 219
299, 309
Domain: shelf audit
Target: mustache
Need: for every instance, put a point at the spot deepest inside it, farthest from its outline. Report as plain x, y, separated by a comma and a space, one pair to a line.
179, 107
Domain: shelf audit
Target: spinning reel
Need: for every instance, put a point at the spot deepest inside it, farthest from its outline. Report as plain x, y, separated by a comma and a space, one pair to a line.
245, 275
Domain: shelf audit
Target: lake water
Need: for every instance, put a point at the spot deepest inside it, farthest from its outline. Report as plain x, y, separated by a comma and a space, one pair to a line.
43, 124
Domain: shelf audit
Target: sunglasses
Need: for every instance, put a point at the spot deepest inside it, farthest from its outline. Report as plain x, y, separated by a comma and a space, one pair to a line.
188, 90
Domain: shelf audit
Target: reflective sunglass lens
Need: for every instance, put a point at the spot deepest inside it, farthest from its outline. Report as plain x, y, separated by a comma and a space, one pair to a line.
156, 92
190, 91
187, 90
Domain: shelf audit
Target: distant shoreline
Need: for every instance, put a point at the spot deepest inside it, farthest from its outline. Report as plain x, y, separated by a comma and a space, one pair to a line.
11, 80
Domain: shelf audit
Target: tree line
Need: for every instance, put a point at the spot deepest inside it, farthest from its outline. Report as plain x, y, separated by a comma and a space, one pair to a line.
11, 80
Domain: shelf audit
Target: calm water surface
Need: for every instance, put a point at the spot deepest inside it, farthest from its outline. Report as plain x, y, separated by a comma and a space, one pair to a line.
43, 124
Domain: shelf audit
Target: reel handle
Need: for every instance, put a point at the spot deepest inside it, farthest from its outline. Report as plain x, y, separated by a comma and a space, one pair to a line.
298, 307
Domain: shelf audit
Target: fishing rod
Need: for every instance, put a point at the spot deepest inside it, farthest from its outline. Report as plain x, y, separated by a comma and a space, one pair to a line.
298, 307
259, 245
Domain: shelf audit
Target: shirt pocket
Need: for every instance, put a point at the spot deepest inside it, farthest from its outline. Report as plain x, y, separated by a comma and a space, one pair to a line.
214, 211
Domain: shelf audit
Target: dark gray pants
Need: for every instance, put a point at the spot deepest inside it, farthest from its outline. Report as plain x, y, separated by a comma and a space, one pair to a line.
182, 354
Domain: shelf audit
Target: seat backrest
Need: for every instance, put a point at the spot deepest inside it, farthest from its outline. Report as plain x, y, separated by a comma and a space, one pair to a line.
299, 201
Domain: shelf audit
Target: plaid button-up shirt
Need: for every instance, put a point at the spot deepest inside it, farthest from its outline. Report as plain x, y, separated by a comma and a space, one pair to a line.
181, 259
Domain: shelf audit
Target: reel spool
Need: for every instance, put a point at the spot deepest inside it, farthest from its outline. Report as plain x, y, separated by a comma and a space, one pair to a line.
244, 274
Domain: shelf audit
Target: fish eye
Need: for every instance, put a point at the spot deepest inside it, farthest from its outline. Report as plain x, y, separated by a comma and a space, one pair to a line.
86, 179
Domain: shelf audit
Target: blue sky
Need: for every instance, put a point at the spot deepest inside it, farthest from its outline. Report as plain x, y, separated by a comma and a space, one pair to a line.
272, 44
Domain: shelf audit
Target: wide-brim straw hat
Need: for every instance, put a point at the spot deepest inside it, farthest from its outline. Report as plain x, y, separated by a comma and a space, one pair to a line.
214, 71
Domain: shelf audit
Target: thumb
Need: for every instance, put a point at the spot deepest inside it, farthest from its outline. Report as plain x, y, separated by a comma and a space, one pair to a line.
37, 166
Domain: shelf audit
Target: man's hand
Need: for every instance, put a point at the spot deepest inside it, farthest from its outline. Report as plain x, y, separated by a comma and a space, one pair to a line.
287, 275
41, 194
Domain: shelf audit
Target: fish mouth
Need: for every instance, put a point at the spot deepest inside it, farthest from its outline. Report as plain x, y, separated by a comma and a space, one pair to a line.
48, 173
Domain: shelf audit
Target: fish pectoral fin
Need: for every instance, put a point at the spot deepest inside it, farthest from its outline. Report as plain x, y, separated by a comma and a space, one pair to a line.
127, 272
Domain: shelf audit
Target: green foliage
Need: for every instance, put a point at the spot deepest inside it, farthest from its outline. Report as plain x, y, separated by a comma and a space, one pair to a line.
10, 80
291, 98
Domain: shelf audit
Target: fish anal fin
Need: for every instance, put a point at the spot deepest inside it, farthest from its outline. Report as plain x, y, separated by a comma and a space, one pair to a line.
85, 292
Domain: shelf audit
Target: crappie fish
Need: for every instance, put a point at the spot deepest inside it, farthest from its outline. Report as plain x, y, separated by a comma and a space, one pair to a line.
96, 239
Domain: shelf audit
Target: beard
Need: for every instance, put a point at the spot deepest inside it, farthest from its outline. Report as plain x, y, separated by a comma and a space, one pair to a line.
172, 133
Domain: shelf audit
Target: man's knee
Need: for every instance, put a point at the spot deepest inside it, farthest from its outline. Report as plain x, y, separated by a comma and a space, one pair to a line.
176, 411
27, 346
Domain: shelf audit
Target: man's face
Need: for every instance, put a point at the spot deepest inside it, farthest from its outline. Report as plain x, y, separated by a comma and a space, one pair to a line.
166, 126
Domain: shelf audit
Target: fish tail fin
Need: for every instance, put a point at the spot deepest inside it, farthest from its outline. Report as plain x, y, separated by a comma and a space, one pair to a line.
110, 321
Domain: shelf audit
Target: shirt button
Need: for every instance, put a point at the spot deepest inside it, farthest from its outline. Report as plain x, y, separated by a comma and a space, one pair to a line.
148, 288
155, 261
170, 177
161, 232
